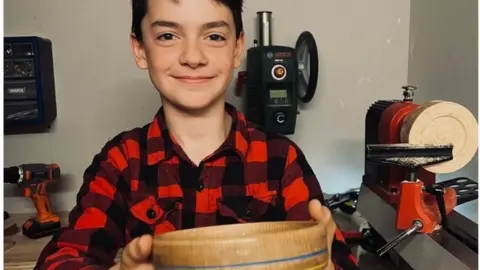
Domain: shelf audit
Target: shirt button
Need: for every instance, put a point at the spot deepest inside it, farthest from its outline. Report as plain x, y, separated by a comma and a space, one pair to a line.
151, 214
201, 186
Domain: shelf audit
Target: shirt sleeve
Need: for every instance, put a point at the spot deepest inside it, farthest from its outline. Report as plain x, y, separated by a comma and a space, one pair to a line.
96, 229
300, 185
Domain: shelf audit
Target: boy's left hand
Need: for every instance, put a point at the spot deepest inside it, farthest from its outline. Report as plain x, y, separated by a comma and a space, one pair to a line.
322, 215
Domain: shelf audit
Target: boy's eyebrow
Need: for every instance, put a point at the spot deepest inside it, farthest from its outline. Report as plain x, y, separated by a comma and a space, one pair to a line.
216, 24
164, 23
208, 25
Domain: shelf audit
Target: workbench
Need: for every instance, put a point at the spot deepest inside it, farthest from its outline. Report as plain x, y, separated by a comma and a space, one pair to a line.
24, 254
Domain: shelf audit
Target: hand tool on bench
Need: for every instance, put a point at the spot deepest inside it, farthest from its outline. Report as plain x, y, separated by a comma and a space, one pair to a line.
33, 178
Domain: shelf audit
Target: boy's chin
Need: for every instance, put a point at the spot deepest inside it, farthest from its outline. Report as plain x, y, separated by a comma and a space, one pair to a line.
196, 105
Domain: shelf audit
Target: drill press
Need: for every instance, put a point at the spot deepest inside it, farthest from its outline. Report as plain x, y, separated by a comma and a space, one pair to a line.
276, 76
406, 145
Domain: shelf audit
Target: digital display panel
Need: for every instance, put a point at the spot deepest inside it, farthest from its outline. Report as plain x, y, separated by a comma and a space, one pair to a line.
278, 93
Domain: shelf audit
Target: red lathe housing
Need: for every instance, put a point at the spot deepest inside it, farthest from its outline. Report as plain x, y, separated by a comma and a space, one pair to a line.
384, 122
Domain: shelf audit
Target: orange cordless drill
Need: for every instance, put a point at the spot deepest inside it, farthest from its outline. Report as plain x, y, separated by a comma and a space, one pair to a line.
33, 179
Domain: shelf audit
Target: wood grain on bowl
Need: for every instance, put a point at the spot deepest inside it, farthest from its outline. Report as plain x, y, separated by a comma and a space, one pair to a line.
266, 245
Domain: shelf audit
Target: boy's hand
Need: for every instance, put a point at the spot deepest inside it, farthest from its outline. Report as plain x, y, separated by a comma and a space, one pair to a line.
136, 255
322, 215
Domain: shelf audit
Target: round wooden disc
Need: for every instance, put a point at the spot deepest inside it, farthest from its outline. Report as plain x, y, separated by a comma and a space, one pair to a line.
443, 122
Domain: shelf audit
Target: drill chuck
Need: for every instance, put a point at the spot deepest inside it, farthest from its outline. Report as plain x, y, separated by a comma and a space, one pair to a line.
11, 175
30, 174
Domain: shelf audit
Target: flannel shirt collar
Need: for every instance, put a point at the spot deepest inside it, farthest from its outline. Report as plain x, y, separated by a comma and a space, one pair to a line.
161, 146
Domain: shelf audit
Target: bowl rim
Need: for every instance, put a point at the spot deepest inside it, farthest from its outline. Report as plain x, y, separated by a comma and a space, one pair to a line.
314, 226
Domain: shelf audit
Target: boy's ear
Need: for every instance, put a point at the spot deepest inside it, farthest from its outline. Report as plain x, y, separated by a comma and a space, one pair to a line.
139, 52
239, 50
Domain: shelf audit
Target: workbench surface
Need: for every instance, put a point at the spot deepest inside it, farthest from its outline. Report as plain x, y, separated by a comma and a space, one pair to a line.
24, 254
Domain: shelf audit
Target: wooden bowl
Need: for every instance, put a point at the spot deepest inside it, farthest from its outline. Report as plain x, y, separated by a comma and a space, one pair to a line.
265, 245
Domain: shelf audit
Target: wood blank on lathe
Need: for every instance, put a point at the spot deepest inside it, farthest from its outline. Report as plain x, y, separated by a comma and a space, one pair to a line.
442, 122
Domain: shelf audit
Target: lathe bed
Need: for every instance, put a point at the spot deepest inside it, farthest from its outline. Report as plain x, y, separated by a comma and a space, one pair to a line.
439, 251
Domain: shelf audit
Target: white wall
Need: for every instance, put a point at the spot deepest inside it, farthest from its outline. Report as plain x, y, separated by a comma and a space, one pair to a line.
443, 57
363, 48
443, 63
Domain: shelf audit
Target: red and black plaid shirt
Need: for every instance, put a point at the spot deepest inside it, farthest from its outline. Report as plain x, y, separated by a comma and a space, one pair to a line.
143, 183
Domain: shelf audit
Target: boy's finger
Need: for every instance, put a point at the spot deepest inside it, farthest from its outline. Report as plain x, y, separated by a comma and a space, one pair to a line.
137, 252
316, 210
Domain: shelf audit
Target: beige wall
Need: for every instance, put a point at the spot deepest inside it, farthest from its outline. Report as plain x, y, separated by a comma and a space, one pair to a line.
363, 49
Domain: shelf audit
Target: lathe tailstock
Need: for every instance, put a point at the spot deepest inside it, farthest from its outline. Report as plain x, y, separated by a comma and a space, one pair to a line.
406, 145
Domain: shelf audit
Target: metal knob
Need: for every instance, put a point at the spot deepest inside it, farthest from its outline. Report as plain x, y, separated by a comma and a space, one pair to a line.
417, 225
408, 92
280, 118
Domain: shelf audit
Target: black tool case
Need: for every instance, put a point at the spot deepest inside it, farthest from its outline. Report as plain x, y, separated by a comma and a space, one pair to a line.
29, 85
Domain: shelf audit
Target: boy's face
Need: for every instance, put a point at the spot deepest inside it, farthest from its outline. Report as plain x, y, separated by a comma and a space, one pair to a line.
190, 50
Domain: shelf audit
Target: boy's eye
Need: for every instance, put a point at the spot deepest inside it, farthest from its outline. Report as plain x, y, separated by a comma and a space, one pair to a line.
166, 36
215, 37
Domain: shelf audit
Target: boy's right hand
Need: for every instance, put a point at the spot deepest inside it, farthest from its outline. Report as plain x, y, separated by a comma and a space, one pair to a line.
136, 255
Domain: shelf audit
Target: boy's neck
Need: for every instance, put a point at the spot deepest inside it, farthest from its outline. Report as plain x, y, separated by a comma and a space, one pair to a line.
199, 134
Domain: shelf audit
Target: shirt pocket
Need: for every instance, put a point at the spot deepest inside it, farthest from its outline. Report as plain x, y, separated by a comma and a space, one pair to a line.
265, 206
158, 214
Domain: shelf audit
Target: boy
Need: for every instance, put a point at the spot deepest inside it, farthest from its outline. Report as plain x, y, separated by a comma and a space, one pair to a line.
198, 163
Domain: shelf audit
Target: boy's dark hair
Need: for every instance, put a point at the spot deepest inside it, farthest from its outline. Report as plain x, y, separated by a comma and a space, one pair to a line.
139, 10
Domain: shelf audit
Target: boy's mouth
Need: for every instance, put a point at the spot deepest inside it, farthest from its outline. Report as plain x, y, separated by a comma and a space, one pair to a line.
193, 79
